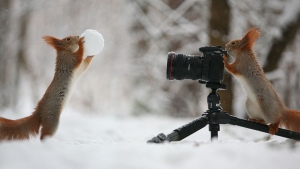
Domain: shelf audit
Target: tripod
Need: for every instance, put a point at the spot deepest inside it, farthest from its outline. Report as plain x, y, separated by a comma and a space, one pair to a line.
214, 116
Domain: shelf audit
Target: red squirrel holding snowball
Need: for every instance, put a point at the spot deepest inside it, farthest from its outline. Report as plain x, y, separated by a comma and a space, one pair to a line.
263, 104
70, 64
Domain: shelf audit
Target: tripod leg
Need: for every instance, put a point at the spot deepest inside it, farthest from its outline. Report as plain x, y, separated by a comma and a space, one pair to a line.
224, 118
214, 128
191, 127
182, 132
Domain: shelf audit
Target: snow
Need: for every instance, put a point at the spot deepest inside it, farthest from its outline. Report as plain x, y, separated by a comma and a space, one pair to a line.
94, 42
114, 142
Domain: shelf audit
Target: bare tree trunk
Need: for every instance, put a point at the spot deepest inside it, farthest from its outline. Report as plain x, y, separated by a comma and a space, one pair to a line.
12, 56
21, 64
219, 30
4, 58
289, 33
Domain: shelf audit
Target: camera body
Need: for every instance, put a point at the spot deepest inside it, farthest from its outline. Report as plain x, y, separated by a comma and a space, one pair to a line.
206, 68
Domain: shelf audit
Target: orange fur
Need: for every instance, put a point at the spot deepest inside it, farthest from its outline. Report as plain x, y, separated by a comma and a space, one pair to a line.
79, 52
250, 38
246, 43
52, 41
22, 128
230, 67
257, 121
291, 120
273, 128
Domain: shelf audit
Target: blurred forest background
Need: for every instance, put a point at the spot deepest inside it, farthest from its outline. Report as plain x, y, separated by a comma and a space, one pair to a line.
128, 76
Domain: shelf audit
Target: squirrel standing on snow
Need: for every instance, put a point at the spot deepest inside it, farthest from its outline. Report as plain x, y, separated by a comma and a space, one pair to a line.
263, 104
69, 66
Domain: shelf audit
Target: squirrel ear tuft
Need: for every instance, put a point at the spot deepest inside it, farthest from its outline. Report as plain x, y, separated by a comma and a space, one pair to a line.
251, 36
54, 42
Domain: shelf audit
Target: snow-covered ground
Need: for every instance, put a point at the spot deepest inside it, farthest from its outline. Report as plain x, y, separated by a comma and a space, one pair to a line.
86, 141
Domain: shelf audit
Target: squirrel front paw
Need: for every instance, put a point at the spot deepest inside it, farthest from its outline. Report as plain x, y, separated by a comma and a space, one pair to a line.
225, 59
81, 40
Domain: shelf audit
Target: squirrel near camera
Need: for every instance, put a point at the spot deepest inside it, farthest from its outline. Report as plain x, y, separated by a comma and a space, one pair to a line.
263, 104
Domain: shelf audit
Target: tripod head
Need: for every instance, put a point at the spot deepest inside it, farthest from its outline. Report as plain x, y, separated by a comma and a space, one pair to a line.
213, 99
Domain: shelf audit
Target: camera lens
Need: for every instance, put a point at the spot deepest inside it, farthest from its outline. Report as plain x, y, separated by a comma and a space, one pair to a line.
170, 65
181, 66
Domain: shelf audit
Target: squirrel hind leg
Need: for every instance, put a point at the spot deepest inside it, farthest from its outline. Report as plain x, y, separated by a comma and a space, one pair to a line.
46, 133
257, 120
273, 128
48, 130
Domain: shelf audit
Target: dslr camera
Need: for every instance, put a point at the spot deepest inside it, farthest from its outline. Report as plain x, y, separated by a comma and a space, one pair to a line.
206, 68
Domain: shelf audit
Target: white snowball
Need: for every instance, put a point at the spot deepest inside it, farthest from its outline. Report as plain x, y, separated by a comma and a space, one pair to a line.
94, 42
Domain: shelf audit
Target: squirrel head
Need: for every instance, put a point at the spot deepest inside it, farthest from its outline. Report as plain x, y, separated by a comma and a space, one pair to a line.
69, 43
246, 43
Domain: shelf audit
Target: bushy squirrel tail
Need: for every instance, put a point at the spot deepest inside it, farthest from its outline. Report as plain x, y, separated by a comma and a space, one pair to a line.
291, 120
19, 129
